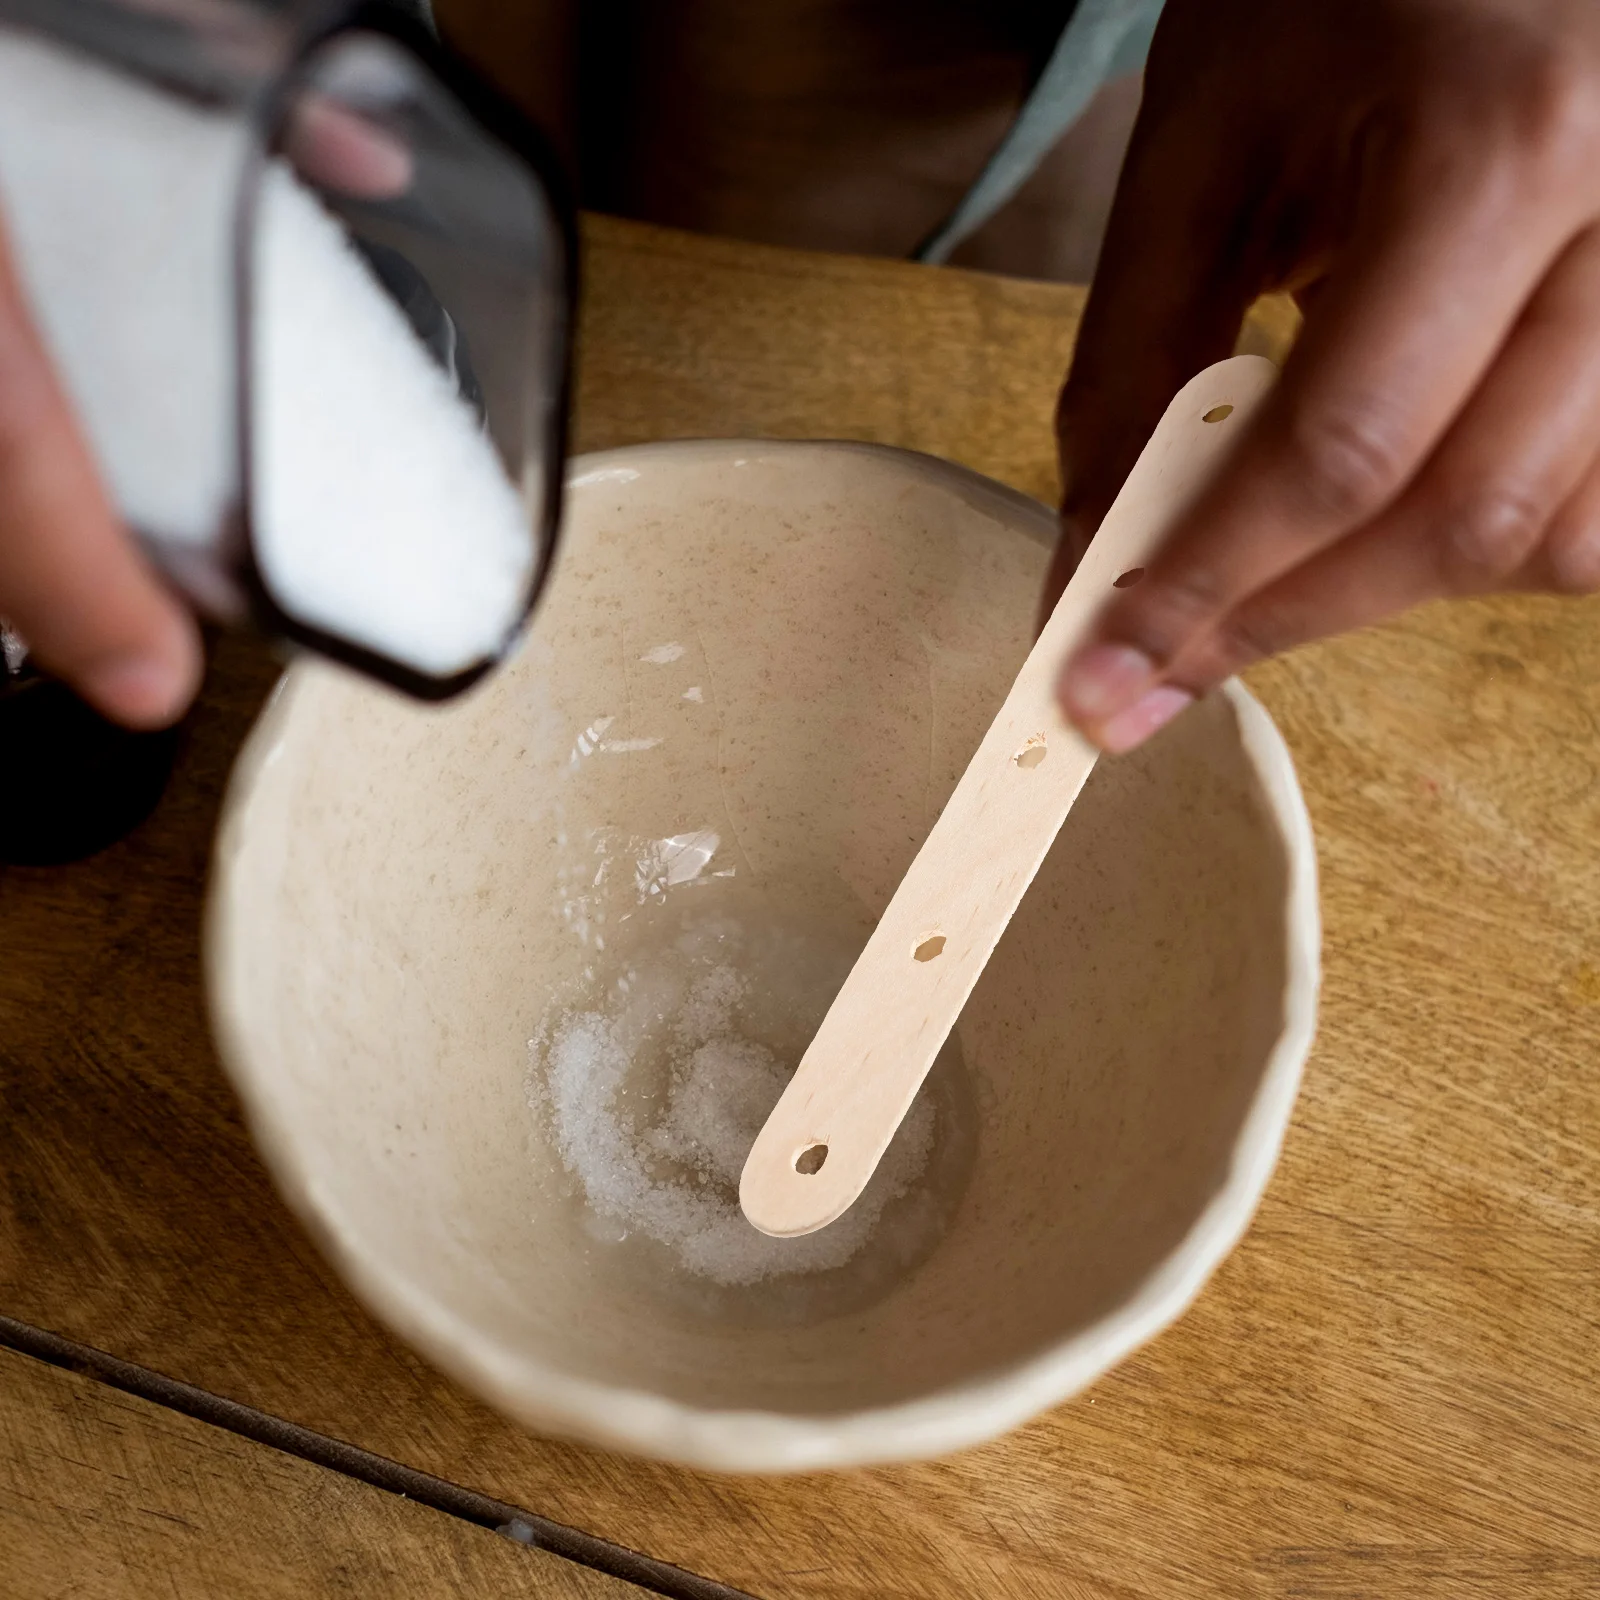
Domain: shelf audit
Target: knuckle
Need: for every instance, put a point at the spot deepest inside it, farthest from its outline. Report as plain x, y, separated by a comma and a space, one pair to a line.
1164, 615
1493, 532
1248, 636
1349, 460
1555, 106
1446, 163
1520, 94
1495, 144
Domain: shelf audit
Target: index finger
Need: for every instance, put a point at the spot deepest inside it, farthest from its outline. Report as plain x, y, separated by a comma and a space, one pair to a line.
339, 149
1440, 264
71, 581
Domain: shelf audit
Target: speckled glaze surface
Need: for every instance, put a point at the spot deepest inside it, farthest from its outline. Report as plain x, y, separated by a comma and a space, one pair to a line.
794, 647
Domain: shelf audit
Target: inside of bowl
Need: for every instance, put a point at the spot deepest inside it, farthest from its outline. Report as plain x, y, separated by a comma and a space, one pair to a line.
758, 676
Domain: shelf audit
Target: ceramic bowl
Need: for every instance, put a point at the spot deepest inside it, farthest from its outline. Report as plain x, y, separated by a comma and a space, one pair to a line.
757, 676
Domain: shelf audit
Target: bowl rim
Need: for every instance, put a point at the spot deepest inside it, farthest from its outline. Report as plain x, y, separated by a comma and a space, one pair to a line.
540, 1395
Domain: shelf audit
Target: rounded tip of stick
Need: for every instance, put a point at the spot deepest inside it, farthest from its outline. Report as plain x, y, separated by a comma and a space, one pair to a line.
786, 1201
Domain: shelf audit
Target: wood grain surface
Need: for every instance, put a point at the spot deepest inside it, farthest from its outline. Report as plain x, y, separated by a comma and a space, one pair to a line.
104, 1496
1391, 1390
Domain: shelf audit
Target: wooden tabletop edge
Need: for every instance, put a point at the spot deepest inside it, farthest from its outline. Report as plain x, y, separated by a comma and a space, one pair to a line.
379, 1472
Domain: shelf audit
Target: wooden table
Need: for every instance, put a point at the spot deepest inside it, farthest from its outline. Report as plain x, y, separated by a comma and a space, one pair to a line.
1391, 1390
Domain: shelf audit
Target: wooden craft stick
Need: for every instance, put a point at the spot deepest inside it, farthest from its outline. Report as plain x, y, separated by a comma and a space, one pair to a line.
862, 1071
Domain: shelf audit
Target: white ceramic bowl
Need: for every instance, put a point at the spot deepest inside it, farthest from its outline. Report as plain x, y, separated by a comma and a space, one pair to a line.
782, 654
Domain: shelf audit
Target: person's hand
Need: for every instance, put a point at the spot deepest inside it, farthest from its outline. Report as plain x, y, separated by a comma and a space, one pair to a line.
335, 147
73, 584
1425, 174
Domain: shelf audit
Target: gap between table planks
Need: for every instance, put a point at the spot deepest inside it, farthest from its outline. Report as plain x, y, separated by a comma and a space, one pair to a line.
626, 1571
104, 1494
1392, 1389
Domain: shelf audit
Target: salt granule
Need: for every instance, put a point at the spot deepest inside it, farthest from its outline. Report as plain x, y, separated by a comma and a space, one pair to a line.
671, 1171
383, 513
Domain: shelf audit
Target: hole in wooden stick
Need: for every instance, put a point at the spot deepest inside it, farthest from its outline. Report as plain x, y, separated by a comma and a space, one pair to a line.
811, 1158
1129, 578
1031, 754
930, 947
1217, 414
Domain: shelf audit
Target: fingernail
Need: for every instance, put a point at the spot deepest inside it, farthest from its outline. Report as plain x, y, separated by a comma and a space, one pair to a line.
1133, 726
141, 691
1102, 680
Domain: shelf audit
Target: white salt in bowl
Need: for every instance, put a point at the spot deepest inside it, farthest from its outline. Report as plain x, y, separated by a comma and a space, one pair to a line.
649, 846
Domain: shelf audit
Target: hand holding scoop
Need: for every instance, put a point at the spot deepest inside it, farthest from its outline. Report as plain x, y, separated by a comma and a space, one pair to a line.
827, 1133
